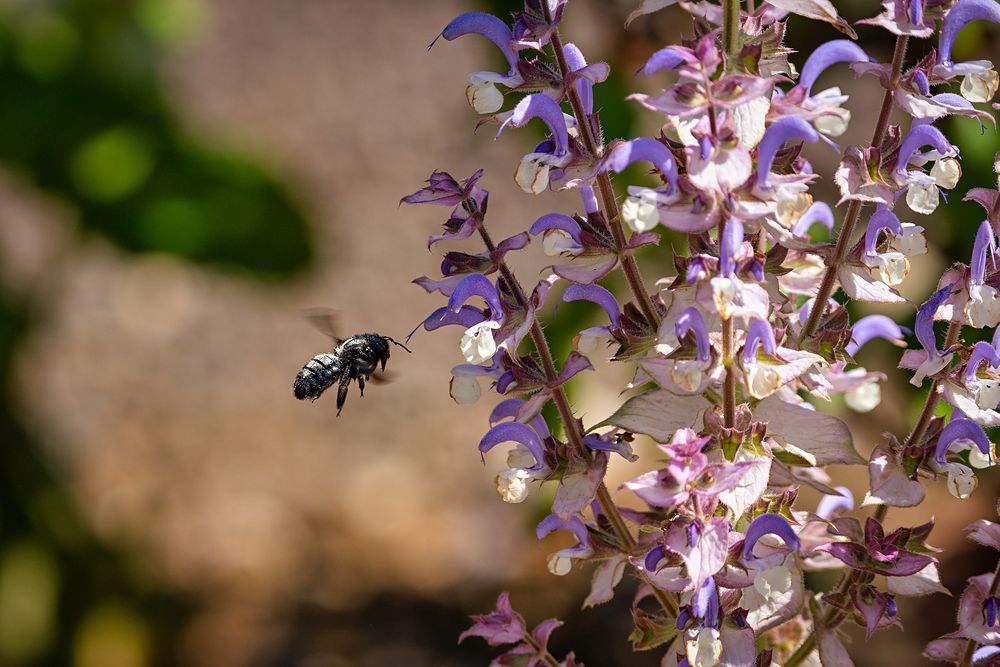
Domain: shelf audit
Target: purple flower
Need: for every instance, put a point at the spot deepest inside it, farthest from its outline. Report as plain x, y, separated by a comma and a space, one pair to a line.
818, 212
917, 138
584, 88
882, 220
544, 107
508, 409
503, 626
786, 129
759, 334
519, 433
595, 294
964, 12
879, 554
487, 25
959, 430
924, 328
666, 58
984, 245
829, 504
729, 247
990, 606
482, 92
646, 149
705, 604
476, 284
874, 326
768, 524
692, 322
830, 53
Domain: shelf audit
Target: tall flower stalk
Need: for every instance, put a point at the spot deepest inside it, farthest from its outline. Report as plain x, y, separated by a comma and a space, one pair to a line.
725, 352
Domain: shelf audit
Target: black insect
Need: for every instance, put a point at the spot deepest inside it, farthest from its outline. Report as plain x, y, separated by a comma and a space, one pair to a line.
355, 358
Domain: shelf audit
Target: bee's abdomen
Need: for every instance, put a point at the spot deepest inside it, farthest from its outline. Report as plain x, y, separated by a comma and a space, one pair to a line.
316, 376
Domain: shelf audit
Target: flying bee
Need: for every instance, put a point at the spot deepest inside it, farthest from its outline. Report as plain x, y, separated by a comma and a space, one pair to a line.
355, 358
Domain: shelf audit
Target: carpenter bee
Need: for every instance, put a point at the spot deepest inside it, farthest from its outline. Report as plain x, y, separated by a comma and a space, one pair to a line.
355, 358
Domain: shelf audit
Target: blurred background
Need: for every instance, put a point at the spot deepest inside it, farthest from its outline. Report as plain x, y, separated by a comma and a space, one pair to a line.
179, 179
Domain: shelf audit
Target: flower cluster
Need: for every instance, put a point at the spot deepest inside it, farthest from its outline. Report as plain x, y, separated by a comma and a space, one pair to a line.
726, 351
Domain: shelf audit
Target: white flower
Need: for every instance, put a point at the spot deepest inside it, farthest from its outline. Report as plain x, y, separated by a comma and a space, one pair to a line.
748, 121
889, 267
835, 118
864, 397
977, 459
477, 342
980, 86
532, 174
946, 172
762, 381
768, 585
790, 204
679, 129
961, 480
556, 242
726, 293
922, 195
512, 484
983, 307
484, 97
559, 565
464, 389
689, 373
640, 210
911, 242
705, 649
986, 393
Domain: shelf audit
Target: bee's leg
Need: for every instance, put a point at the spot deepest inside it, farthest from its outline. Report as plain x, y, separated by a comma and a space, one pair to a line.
345, 383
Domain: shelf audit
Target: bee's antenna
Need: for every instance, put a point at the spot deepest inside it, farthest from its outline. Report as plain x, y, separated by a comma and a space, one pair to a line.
399, 344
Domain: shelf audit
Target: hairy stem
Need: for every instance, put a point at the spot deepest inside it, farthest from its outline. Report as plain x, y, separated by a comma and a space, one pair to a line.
607, 192
854, 208
570, 424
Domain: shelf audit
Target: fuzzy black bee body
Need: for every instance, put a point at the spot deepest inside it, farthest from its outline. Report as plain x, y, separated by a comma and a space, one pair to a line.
353, 359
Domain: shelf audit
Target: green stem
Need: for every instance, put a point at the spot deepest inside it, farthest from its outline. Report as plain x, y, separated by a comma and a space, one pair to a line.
731, 26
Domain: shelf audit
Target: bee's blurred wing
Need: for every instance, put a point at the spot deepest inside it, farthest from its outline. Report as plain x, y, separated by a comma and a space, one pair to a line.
325, 321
